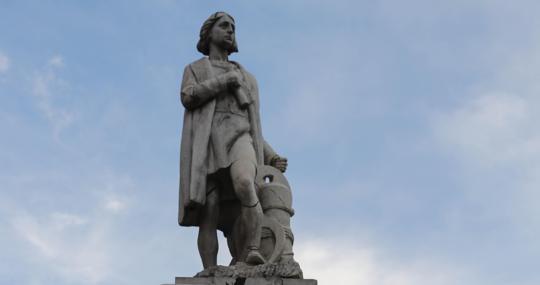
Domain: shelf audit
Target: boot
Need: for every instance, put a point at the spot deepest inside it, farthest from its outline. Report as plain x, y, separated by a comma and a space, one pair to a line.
254, 257
254, 217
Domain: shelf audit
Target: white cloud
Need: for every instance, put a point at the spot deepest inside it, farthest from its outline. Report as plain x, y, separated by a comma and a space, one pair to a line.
497, 123
4, 63
115, 204
73, 238
493, 128
61, 221
28, 228
56, 61
47, 88
335, 261
498, 135
495, 134
117, 191
66, 244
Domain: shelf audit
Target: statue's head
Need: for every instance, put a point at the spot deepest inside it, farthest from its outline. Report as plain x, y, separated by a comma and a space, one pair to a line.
219, 29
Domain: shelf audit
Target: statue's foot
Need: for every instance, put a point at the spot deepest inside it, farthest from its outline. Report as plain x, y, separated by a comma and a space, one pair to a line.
254, 257
207, 272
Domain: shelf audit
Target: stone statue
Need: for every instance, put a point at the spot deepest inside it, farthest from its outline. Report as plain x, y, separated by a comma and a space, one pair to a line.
230, 178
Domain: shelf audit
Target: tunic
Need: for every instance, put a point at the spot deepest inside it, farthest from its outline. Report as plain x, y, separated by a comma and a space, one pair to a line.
229, 136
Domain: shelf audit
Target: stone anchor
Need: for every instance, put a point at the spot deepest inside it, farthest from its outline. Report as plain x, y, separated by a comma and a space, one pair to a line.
275, 196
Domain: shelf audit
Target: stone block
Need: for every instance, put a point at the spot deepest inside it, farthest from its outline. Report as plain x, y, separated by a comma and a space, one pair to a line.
279, 281
241, 281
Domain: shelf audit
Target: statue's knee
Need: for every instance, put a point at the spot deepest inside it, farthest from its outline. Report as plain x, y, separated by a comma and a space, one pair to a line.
243, 184
245, 191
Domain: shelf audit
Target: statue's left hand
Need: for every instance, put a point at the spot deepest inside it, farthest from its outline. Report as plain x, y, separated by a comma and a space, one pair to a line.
279, 163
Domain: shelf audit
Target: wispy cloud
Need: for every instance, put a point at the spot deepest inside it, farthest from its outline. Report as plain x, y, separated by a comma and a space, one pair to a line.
115, 204
4, 63
91, 234
493, 129
496, 138
68, 238
47, 86
338, 261
66, 244
494, 133
61, 221
56, 61
496, 123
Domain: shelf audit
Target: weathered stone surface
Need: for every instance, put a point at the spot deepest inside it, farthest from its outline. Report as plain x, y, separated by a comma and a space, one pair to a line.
279, 281
231, 179
222, 150
191, 280
289, 269
242, 281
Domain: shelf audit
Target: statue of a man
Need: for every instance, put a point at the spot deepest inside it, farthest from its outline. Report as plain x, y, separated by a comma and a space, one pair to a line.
222, 144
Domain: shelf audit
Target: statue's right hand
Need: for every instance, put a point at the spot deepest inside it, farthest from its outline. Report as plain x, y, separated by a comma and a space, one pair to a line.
233, 78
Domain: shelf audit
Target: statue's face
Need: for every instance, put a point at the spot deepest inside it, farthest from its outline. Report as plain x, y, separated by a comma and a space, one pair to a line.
222, 34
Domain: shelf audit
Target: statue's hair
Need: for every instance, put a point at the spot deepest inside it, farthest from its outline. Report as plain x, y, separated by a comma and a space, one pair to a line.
203, 45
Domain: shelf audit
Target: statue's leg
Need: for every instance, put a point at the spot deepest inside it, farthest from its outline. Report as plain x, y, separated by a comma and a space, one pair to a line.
207, 240
243, 178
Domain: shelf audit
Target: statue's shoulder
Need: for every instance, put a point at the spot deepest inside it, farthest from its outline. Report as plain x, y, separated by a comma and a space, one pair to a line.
199, 68
199, 63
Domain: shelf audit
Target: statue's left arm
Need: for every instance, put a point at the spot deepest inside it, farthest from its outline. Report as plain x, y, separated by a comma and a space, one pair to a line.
270, 156
269, 153
274, 159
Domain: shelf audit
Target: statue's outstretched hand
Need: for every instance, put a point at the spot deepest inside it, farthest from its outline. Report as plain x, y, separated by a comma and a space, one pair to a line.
279, 163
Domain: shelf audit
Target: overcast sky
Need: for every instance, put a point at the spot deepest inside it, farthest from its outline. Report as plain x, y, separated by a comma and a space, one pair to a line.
411, 127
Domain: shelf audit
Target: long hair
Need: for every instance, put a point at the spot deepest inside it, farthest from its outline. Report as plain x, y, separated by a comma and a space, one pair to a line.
203, 45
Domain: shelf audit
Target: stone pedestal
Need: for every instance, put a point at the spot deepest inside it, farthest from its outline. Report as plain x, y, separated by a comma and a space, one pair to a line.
242, 281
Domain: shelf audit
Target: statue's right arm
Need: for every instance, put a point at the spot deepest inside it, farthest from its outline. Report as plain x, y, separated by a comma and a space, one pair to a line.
194, 95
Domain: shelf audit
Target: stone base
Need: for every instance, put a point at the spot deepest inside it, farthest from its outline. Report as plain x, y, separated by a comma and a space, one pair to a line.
242, 281
290, 269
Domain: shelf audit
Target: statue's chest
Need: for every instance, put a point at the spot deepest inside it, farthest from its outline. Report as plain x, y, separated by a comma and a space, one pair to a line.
227, 102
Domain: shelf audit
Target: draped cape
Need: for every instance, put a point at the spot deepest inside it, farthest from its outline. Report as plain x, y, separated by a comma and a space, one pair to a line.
194, 147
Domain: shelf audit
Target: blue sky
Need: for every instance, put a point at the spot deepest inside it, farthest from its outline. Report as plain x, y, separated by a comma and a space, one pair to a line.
410, 127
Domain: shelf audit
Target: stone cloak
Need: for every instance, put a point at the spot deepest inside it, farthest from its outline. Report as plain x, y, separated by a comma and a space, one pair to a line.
195, 141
